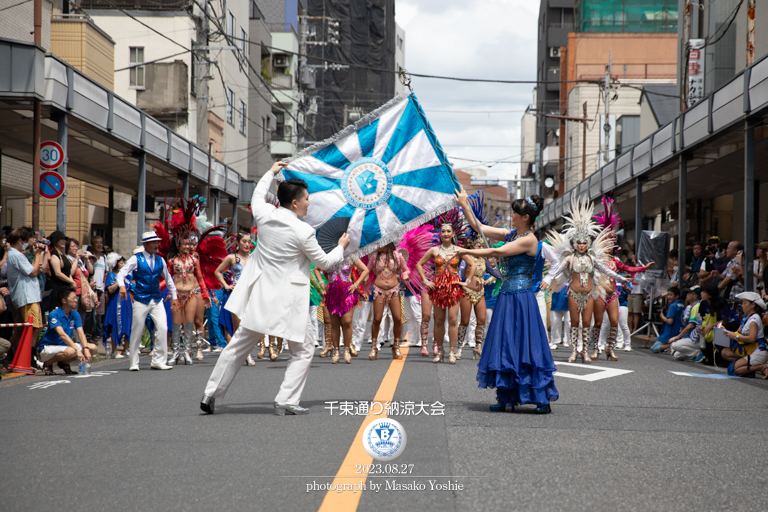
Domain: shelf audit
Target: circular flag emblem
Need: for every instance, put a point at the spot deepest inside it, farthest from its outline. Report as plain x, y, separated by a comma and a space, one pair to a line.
367, 183
384, 439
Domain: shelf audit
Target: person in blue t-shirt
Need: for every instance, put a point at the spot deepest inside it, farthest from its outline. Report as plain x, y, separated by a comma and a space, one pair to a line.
57, 345
673, 321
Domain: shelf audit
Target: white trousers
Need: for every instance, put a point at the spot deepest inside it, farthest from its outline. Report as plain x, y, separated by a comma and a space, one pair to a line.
412, 307
313, 323
561, 323
387, 327
360, 328
685, 349
622, 335
242, 343
156, 310
541, 299
488, 315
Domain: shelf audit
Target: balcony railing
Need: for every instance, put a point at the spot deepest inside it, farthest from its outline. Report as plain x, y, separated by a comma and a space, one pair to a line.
282, 81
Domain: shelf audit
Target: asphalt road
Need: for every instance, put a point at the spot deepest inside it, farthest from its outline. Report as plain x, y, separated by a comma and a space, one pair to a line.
643, 440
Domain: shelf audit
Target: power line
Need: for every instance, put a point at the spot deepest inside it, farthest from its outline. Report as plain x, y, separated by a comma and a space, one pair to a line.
15, 5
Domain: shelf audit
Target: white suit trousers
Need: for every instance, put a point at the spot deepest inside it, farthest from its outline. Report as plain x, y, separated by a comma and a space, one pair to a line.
156, 310
387, 327
313, 323
622, 334
560, 331
542, 301
412, 306
360, 324
242, 343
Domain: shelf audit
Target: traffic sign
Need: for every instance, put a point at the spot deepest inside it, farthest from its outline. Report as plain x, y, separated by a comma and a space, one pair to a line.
51, 155
51, 185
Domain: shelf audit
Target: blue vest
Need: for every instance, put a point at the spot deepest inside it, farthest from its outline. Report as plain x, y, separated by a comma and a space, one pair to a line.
147, 280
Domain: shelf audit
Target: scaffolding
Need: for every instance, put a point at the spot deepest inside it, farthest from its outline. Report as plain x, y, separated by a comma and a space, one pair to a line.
631, 16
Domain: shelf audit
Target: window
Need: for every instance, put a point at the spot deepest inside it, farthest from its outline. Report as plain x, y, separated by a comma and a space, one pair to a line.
243, 43
279, 126
230, 107
231, 24
242, 117
137, 72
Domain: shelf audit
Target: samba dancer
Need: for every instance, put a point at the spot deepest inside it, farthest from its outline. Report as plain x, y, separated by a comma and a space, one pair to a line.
445, 288
340, 300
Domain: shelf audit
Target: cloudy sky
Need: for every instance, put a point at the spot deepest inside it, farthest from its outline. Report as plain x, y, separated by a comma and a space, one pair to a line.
494, 39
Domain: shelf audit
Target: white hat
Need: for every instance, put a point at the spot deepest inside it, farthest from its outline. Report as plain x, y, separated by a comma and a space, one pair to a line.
752, 297
149, 236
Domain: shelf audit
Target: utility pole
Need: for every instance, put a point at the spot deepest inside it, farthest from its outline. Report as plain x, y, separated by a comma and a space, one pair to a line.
583, 121
208, 188
536, 168
750, 32
202, 70
36, 128
607, 124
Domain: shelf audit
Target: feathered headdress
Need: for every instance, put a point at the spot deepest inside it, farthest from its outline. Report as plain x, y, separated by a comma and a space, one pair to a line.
608, 219
455, 218
211, 251
579, 226
184, 220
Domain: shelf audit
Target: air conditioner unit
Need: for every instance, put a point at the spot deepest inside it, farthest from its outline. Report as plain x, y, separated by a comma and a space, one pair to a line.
554, 51
280, 61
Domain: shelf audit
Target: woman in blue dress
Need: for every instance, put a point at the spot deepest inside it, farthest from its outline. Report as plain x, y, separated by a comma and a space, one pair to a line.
516, 358
118, 317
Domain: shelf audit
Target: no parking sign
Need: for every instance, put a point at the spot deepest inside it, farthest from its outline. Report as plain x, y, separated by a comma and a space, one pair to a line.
51, 185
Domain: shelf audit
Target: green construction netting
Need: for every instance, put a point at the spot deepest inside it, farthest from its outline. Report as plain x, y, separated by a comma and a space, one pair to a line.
627, 15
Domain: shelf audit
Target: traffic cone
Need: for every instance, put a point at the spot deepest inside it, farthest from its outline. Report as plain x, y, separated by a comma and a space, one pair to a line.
23, 357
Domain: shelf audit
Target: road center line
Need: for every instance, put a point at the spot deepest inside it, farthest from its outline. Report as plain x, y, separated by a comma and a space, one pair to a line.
348, 500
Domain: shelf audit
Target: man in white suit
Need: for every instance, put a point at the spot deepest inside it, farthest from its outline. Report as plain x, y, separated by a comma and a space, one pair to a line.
272, 294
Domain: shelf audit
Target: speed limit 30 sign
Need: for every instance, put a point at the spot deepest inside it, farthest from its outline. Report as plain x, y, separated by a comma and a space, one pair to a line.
51, 155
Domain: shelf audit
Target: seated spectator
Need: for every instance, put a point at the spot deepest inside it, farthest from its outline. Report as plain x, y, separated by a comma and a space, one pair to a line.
57, 345
688, 344
748, 353
673, 321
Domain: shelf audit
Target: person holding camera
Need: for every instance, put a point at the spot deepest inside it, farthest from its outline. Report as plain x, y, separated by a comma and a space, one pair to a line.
24, 286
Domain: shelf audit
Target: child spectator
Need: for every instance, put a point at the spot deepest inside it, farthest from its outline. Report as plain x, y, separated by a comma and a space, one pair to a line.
748, 352
673, 321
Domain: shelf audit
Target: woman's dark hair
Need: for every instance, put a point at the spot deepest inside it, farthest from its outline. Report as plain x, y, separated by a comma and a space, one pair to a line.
673, 253
63, 293
70, 241
16, 235
523, 207
241, 235
289, 190
711, 289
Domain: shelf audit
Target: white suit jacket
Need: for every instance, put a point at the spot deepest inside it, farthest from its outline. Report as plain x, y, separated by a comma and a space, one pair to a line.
272, 294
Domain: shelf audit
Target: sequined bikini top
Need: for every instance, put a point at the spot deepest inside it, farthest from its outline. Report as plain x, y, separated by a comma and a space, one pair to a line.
184, 265
341, 273
386, 265
445, 260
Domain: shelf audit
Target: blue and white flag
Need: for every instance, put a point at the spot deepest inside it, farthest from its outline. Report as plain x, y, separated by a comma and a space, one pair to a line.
379, 178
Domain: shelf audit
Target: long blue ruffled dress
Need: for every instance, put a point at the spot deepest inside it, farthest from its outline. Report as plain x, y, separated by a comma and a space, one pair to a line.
118, 317
516, 358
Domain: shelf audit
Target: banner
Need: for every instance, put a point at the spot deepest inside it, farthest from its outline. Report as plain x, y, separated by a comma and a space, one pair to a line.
376, 179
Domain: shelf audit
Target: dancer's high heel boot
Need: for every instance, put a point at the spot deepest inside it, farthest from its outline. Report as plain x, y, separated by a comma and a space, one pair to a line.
610, 353
396, 350
479, 336
175, 337
586, 336
462, 339
596, 352
272, 352
327, 349
424, 333
189, 329
574, 344
440, 357
199, 343
263, 348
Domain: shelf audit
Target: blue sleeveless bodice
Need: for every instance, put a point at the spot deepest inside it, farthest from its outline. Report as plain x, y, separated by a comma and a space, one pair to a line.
519, 272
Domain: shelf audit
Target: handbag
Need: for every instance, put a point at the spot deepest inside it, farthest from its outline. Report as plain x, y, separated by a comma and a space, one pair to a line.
88, 297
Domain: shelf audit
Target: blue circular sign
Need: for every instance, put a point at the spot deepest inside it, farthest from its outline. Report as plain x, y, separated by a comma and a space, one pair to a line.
384, 439
367, 183
51, 185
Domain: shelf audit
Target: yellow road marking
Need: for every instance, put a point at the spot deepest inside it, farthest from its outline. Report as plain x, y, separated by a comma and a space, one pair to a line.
348, 500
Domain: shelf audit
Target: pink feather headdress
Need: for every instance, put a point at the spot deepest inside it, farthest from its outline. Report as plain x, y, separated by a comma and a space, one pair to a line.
608, 219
